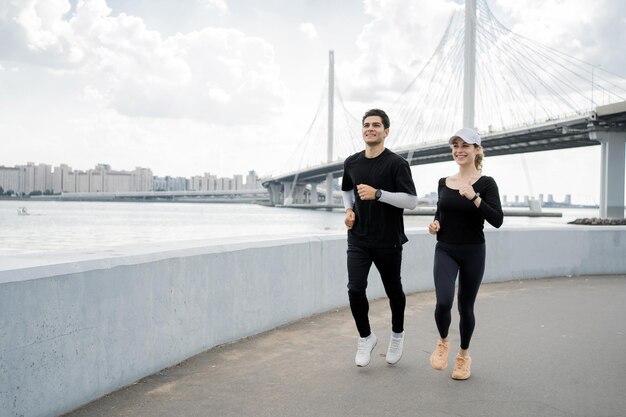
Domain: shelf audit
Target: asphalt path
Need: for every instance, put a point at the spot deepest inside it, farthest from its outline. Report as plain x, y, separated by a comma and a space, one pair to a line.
546, 348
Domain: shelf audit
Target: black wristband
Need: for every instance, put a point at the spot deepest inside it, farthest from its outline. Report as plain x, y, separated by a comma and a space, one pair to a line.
475, 196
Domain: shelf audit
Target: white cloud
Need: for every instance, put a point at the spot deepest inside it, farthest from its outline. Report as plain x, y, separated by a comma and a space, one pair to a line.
219, 5
43, 25
308, 29
576, 27
394, 45
141, 74
90, 93
219, 95
33, 31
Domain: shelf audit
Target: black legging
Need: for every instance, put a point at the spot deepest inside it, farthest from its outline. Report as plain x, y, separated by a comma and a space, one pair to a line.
388, 261
469, 262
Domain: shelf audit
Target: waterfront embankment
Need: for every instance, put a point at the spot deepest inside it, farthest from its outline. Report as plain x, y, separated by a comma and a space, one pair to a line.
75, 331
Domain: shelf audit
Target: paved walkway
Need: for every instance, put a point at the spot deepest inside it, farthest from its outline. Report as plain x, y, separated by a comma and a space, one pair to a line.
552, 347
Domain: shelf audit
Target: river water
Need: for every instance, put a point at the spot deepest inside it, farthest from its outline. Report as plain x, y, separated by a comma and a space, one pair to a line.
54, 226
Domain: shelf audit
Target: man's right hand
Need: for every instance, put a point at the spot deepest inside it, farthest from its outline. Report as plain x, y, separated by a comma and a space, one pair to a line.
434, 227
350, 217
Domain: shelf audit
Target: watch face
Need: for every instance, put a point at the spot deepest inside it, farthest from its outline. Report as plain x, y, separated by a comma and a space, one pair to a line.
378, 194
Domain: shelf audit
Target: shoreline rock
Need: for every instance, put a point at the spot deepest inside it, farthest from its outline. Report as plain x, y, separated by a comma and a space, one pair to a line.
597, 221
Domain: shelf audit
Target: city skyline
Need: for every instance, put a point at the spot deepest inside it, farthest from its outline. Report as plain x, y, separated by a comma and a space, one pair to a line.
206, 182
42, 178
220, 86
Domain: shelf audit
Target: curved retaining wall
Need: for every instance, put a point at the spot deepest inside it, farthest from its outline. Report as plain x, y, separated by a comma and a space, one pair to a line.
73, 332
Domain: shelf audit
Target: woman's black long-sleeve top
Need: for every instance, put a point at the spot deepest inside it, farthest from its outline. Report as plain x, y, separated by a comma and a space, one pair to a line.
459, 218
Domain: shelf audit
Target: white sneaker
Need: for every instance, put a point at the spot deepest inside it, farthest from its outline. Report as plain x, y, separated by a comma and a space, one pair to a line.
364, 350
394, 352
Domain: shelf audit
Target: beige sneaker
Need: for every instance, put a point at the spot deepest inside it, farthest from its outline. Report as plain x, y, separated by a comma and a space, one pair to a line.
461, 367
439, 357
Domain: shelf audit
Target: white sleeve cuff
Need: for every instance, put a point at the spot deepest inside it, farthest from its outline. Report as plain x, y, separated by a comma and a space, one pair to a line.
348, 199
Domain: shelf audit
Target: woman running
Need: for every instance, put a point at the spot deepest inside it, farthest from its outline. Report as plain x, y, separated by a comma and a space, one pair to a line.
465, 200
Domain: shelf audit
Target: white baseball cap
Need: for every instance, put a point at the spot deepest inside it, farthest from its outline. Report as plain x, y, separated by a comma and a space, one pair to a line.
468, 135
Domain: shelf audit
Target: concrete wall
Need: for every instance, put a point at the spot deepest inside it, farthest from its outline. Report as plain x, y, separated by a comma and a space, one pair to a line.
73, 332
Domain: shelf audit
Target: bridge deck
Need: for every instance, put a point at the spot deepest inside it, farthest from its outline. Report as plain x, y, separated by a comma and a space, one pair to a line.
552, 347
567, 132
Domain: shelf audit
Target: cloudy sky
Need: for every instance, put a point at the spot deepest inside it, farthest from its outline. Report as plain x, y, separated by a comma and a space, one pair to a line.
227, 86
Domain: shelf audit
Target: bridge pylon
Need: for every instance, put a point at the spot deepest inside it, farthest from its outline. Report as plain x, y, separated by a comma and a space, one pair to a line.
295, 190
331, 112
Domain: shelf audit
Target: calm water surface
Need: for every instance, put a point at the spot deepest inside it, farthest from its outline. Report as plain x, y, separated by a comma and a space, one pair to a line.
79, 226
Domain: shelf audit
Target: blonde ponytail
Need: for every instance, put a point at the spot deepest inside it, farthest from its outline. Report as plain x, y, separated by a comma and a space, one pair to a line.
480, 156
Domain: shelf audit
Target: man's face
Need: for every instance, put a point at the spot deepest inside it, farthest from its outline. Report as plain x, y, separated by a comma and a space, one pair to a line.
374, 133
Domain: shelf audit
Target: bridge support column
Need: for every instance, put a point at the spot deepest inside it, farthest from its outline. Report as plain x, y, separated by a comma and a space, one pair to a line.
314, 194
613, 154
294, 193
275, 191
287, 193
329, 189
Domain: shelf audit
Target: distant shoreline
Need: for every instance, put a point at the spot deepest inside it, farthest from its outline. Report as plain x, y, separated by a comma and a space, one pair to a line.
598, 221
243, 201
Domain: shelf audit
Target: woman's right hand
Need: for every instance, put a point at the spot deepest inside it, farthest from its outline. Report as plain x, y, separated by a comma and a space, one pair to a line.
434, 227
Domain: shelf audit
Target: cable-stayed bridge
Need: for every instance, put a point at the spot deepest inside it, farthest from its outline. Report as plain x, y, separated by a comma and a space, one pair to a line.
519, 94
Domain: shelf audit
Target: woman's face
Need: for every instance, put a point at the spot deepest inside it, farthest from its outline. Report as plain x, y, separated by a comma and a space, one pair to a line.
462, 152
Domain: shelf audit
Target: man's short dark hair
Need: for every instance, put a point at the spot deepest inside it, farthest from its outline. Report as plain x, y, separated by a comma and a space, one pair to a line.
377, 112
